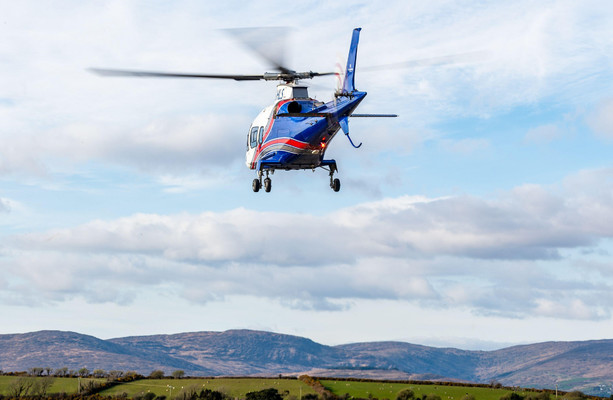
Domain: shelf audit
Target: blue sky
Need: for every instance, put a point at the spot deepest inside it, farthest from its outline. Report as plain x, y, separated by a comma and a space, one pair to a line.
481, 217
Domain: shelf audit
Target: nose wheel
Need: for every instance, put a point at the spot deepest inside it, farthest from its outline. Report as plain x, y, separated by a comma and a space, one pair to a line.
259, 182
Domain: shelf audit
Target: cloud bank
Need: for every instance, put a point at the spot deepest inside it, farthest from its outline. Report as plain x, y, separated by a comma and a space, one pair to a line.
498, 256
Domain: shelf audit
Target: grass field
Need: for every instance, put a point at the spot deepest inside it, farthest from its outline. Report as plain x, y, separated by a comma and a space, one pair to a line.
390, 390
238, 388
60, 385
232, 387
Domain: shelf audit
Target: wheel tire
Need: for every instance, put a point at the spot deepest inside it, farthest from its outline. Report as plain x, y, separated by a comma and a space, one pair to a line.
267, 185
256, 185
336, 184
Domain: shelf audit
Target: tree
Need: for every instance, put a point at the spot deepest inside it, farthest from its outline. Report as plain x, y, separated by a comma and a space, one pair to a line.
156, 374
266, 394
113, 375
512, 396
131, 374
537, 396
21, 386
575, 395
36, 371
41, 386
99, 373
178, 374
83, 372
208, 394
405, 394
61, 371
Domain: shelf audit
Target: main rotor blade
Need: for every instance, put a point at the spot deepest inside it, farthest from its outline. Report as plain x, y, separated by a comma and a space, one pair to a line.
432, 61
268, 76
267, 42
153, 74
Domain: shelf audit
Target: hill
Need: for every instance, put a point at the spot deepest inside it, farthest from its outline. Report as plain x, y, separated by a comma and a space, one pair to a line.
586, 365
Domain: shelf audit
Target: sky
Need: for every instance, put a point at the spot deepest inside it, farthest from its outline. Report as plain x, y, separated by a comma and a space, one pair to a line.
481, 217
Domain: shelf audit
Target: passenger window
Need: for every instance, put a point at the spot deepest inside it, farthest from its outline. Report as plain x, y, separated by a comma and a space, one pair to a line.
261, 135
254, 136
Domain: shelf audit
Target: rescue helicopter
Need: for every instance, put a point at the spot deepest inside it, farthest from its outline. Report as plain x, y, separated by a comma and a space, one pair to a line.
296, 130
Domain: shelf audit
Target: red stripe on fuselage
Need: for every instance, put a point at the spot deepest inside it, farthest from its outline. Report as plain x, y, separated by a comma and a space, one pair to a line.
292, 142
267, 132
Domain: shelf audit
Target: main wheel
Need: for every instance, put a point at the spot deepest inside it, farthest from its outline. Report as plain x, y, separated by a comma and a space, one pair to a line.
336, 184
256, 185
267, 185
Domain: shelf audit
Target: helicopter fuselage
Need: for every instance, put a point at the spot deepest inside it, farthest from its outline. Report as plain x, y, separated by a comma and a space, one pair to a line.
294, 132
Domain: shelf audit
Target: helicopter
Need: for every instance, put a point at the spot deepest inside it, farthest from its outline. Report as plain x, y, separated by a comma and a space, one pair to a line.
295, 131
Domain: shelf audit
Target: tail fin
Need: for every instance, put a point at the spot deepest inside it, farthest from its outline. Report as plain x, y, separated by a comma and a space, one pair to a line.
349, 81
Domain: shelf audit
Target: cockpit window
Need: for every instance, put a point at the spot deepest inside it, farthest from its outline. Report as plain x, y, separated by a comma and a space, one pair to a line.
301, 93
261, 135
253, 140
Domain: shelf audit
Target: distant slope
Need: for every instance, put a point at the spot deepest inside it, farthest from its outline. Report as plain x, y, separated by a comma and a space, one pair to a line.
238, 352
417, 359
544, 364
573, 365
58, 349
586, 366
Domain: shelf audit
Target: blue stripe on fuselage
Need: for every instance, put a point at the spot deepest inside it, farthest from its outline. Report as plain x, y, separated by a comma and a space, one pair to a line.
310, 130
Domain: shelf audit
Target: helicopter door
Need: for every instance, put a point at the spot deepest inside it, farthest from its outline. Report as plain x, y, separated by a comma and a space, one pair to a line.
252, 144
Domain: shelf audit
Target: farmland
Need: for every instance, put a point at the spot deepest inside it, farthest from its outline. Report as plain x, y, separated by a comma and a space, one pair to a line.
233, 387
60, 385
290, 389
385, 390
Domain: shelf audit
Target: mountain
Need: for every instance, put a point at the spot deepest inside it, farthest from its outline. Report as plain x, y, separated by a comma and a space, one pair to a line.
586, 365
237, 352
56, 349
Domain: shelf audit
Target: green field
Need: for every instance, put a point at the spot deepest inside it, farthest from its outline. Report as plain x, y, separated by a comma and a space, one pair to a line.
232, 387
382, 390
60, 385
289, 388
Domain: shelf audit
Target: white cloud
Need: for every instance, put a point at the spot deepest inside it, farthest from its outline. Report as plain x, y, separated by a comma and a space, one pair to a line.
526, 223
542, 134
601, 119
495, 256
4, 205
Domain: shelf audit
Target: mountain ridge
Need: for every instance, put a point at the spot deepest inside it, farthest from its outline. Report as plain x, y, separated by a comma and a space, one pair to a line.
579, 365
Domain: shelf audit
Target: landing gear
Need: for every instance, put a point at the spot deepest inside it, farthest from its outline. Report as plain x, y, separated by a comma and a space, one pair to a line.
335, 183
256, 185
